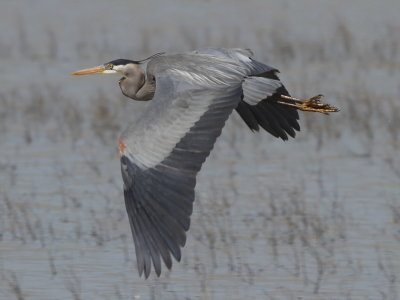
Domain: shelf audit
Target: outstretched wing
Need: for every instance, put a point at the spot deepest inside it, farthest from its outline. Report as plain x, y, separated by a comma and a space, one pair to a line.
162, 152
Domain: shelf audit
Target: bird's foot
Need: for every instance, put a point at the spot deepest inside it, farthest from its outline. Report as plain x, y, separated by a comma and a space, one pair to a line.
313, 104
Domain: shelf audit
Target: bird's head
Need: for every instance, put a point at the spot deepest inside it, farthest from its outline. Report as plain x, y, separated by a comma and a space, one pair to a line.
133, 83
119, 67
132, 80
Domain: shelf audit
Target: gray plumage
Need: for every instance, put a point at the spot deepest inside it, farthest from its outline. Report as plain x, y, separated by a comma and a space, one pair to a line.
195, 93
192, 95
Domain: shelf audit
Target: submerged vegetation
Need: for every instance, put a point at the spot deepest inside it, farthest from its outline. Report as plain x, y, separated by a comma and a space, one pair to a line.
296, 225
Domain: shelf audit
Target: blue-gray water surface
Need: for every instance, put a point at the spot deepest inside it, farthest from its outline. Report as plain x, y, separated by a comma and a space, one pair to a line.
316, 217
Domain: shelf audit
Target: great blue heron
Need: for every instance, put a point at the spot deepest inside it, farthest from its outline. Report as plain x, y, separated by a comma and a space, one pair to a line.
161, 152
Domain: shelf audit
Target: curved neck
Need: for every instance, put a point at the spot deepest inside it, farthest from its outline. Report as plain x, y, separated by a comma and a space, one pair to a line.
135, 85
147, 90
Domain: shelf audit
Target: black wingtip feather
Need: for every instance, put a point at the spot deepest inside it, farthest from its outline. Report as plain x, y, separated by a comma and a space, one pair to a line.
247, 116
277, 119
280, 118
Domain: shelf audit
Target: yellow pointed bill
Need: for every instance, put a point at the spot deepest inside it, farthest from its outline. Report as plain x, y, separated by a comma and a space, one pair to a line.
89, 71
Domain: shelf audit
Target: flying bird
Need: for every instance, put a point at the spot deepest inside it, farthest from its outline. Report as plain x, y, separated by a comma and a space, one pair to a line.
192, 95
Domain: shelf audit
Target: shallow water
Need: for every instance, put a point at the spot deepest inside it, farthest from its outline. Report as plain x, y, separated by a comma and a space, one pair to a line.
317, 217
263, 225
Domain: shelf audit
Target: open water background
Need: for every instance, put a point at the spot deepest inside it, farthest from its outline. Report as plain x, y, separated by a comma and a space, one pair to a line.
317, 217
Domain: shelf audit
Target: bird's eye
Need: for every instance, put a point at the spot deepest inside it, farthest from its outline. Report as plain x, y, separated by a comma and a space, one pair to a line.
109, 66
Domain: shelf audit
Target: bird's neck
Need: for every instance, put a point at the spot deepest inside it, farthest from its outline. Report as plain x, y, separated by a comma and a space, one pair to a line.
137, 86
146, 91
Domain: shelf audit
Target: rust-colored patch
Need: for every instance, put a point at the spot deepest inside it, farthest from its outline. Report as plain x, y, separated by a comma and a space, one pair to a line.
121, 147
